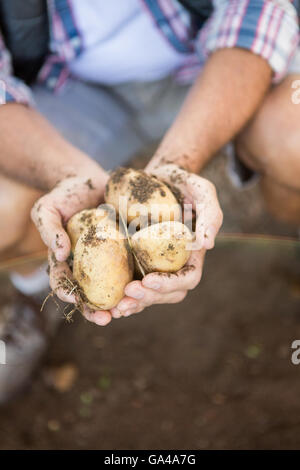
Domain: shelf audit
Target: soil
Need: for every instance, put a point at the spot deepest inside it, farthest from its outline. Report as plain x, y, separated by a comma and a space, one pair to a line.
141, 186
90, 238
212, 372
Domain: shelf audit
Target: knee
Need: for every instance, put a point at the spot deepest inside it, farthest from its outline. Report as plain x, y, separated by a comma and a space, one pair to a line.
270, 143
16, 201
281, 201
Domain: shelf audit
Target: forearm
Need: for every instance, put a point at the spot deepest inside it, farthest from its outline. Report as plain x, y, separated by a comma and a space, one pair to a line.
224, 97
33, 152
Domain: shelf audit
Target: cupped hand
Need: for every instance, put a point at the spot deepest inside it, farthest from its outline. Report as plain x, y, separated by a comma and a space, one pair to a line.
71, 195
50, 214
201, 198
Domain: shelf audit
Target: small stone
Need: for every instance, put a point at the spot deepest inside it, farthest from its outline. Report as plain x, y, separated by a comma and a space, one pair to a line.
104, 382
86, 398
253, 351
84, 412
218, 399
294, 288
61, 378
53, 425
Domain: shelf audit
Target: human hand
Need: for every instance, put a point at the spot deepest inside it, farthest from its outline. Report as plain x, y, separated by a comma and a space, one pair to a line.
50, 214
160, 288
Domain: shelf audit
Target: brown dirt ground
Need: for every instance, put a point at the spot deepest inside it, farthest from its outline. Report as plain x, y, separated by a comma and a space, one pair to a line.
211, 372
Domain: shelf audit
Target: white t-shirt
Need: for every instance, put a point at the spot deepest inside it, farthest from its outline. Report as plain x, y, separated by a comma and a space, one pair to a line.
121, 43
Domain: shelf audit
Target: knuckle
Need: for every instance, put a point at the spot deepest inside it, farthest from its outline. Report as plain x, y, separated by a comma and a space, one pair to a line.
220, 216
211, 187
165, 288
34, 211
151, 299
178, 297
182, 296
208, 185
195, 280
139, 310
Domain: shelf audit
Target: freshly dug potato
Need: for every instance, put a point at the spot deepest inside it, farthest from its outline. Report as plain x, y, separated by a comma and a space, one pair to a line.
162, 247
102, 266
144, 196
81, 221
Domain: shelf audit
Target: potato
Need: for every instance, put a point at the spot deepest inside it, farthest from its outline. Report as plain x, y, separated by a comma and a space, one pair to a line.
81, 221
162, 247
102, 266
142, 195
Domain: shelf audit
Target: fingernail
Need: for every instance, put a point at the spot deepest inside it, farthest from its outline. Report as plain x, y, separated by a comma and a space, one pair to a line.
151, 285
137, 295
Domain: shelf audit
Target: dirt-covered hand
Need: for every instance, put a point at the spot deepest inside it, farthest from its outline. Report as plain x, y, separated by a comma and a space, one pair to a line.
157, 288
50, 214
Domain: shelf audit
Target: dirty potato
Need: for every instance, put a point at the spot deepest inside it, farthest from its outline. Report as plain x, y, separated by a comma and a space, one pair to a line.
162, 247
102, 266
81, 222
137, 195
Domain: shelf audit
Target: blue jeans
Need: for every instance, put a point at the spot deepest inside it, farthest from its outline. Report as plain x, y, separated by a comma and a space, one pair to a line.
112, 124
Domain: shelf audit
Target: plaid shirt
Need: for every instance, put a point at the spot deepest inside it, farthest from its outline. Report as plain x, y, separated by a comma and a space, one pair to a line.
268, 28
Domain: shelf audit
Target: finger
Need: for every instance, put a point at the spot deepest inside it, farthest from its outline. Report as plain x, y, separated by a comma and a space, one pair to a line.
61, 283
141, 295
212, 221
60, 279
116, 313
134, 293
48, 221
198, 243
134, 311
210, 236
173, 297
186, 279
127, 307
135, 290
128, 304
208, 212
99, 317
138, 297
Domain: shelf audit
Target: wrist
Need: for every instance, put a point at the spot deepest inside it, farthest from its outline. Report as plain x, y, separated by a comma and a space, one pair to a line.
94, 175
188, 158
76, 164
159, 163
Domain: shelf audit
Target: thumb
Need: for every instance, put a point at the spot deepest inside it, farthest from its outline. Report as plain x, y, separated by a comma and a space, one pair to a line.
49, 223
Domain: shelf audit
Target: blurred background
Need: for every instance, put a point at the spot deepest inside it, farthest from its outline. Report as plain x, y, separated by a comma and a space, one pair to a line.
212, 372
